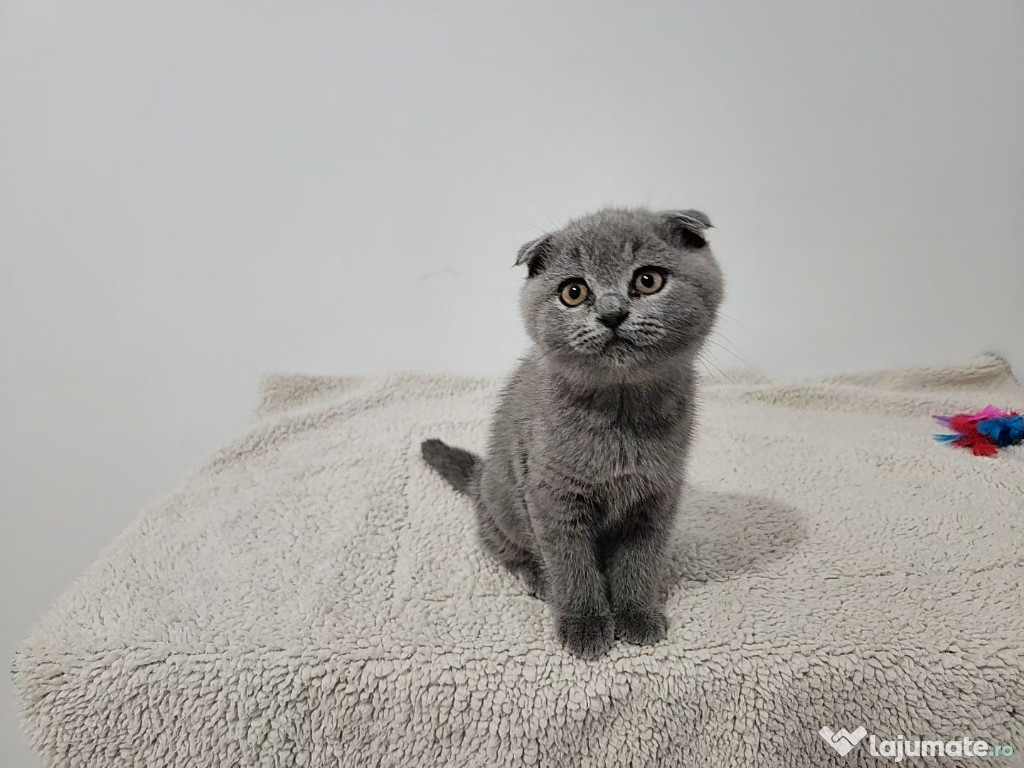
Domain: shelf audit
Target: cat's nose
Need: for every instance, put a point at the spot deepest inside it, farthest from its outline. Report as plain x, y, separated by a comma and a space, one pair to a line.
613, 318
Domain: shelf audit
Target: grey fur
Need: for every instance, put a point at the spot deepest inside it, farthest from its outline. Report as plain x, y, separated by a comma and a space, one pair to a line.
585, 464
457, 466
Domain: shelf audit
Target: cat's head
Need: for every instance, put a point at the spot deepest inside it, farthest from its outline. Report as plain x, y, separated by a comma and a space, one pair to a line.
622, 289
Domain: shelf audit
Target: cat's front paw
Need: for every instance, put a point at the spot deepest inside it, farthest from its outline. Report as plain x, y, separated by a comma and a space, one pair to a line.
641, 626
588, 636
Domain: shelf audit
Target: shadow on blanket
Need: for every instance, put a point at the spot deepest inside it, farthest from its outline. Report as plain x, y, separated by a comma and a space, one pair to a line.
719, 536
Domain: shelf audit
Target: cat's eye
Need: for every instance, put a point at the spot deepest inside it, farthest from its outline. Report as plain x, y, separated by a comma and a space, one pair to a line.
647, 281
573, 293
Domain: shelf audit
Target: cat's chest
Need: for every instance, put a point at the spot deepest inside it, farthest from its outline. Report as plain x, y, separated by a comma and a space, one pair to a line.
615, 457
617, 473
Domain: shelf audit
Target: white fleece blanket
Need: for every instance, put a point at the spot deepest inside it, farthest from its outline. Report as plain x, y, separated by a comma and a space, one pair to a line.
315, 596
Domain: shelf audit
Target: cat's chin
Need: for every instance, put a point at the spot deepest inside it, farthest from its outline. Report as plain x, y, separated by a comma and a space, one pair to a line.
620, 363
619, 345
621, 353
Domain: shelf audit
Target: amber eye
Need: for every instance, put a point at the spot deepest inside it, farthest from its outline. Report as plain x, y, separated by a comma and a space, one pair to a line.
573, 293
648, 281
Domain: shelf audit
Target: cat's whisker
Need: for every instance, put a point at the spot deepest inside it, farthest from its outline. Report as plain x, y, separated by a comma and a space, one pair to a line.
746, 363
729, 345
717, 333
720, 372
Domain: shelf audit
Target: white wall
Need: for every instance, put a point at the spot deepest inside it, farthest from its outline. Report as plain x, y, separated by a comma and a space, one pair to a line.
193, 194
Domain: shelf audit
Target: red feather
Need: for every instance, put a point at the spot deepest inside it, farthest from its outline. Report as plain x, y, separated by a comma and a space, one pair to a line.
979, 445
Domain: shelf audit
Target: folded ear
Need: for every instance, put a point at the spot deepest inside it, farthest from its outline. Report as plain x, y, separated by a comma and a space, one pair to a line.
686, 228
535, 255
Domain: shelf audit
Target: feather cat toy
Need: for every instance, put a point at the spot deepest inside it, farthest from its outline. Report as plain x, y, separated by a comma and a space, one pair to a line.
984, 432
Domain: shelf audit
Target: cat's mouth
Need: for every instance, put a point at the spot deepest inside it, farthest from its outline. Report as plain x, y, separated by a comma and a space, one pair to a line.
621, 342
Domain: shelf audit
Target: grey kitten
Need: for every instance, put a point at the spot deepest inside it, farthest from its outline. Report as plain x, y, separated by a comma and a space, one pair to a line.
586, 459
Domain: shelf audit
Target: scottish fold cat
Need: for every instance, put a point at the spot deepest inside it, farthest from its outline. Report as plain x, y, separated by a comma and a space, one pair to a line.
584, 470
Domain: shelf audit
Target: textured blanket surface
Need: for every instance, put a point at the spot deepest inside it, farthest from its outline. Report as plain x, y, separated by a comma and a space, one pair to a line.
315, 596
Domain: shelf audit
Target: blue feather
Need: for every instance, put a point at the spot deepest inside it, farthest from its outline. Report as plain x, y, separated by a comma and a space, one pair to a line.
1004, 431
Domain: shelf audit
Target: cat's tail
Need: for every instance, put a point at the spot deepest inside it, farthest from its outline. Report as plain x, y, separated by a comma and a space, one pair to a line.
457, 466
